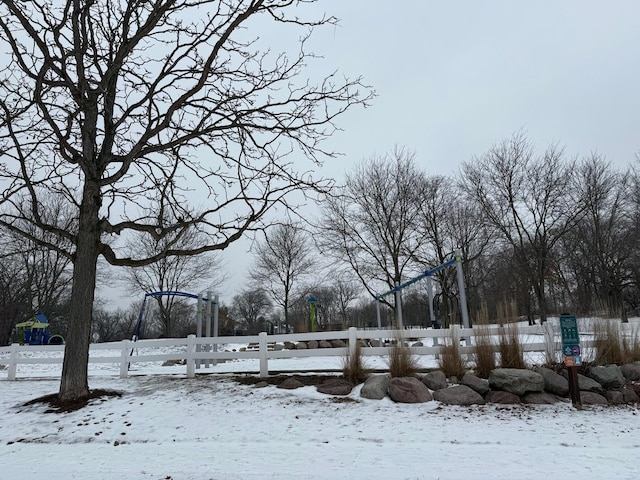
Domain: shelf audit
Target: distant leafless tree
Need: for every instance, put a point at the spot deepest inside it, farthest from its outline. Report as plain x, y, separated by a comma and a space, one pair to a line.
249, 306
123, 109
372, 223
281, 261
531, 201
175, 273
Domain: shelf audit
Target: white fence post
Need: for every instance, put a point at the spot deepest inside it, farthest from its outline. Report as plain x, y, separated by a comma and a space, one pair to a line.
124, 358
353, 342
262, 352
549, 343
190, 360
13, 361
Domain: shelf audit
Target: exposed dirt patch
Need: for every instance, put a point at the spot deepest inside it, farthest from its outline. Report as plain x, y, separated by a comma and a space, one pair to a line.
306, 380
61, 407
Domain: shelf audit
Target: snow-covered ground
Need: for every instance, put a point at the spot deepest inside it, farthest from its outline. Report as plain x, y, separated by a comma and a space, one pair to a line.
166, 426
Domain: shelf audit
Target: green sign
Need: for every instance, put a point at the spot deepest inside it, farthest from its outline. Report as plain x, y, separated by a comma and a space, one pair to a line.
569, 331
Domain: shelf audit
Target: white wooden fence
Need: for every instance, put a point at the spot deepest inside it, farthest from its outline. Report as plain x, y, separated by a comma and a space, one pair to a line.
196, 350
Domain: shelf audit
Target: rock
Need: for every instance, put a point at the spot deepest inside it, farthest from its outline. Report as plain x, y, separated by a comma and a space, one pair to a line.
337, 343
609, 376
278, 346
478, 384
615, 397
375, 387
261, 384
324, 344
418, 344
408, 390
458, 395
587, 384
631, 371
291, 384
629, 396
289, 345
592, 398
553, 382
435, 380
515, 380
502, 397
540, 398
375, 343
312, 344
335, 386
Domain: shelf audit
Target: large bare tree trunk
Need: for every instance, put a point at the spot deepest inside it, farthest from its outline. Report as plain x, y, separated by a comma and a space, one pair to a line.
74, 384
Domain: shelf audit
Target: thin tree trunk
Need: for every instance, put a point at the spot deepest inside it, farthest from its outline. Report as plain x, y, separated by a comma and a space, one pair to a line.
74, 383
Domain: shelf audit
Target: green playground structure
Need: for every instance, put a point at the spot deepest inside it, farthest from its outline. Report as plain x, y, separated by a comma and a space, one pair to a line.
36, 332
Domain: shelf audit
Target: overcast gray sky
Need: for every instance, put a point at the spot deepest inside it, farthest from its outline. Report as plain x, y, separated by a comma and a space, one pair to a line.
455, 77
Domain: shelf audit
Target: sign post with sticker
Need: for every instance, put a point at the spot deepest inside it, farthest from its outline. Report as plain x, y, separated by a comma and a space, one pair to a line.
572, 355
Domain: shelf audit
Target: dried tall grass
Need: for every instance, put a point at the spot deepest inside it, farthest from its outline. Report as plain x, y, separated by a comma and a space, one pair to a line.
484, 355
631, 346
510, 347
507, 312
401, 362
450, 360
354, 368
607, 343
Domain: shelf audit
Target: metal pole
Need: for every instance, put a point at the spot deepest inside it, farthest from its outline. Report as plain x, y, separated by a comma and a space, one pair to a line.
199, 325
463, 296
208, 327
379, 320
216, 325
432, 315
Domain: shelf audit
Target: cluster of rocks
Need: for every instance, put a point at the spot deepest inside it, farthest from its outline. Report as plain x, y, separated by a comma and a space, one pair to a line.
602, 385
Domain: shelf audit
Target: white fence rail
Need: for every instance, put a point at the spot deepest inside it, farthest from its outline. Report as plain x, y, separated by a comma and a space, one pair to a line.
196, 350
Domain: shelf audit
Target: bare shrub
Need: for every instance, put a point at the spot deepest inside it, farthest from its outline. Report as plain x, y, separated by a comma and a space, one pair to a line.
607, 343
507, 312
450, 360
510, 347
484, 355
354, 368
401, 362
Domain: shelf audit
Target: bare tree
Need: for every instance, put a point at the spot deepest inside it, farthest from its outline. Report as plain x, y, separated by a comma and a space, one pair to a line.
530, 201
281, 261
372, 224
249, 306
176, 273
122, 109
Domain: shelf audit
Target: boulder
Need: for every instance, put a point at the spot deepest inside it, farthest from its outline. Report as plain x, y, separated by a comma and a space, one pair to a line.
408, 390
418, 344
312, 344
324, 344
630, 396
375, 343
478, 384
337, 343
375, 387
291, 384
592, 398
435, 380
615, 397
261, 384
515, 380
553, 382
458, 395
301, 346
587, 384
335, 386
539, 398
289, 345
278, 347
631, 371
609, 376
502, 397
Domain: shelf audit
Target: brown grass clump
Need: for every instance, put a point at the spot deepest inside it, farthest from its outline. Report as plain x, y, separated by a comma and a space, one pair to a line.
450, 360
353, 366
607, 343
401, 362
510, 347
484, 355
631, 347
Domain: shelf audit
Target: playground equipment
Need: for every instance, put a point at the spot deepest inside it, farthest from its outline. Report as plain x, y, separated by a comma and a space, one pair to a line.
207, 307
397, 291
36, 332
